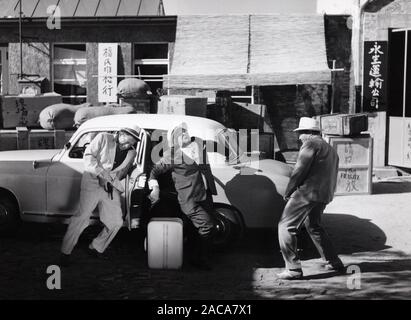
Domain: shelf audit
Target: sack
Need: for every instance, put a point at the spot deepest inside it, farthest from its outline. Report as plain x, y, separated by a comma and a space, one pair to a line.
59, 116
133, 88
84, 114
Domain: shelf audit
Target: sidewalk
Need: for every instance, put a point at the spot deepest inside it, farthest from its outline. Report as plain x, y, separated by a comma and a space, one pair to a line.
372, 232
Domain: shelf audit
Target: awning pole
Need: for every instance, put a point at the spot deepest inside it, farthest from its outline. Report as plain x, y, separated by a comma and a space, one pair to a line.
21, 39
333, 71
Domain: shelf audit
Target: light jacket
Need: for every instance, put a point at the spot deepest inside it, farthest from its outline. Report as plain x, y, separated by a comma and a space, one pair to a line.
99, 156
315, 173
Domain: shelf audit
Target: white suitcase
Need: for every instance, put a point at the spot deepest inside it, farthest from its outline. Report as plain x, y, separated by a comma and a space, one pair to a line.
165, 243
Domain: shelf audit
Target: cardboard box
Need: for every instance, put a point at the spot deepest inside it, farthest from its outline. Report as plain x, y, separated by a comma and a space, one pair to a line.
344, 124
24, 111
355, 164
181, 104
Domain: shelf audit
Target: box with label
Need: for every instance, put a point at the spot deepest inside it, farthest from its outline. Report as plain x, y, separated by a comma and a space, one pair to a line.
182, 104
355, 163
23, 111
344, 124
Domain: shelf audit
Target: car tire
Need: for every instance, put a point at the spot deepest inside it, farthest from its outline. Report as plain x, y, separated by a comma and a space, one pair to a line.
230, 227
9, 217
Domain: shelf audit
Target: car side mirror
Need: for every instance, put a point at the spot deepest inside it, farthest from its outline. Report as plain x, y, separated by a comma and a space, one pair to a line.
67, 145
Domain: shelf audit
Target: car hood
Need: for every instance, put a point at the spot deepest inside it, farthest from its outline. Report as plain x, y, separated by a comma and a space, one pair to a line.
28, 155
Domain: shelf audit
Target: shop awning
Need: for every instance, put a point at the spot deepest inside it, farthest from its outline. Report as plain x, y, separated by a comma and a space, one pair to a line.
288, 49
83, 8
232, 52
210, 52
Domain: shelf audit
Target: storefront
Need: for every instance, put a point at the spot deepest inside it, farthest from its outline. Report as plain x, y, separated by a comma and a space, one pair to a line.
386, 81
66, 53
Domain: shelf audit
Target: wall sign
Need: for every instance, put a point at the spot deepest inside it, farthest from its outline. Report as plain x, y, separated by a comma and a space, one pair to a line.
107, 72
375, 76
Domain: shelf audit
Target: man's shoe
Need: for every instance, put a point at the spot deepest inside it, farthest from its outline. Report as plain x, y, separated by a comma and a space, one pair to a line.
95, 254
337, 267
64, 260
295, 274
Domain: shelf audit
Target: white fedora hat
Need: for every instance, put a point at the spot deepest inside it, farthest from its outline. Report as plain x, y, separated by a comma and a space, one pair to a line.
309, 124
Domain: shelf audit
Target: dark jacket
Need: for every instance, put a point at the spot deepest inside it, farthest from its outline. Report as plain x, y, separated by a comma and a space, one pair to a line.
315, 173
187, 178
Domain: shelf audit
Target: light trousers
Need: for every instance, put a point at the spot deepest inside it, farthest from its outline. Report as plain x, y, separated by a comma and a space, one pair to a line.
93, 195
297, 212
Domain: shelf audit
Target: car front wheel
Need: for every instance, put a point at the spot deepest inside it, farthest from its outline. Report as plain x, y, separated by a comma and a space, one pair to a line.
9, 217
229, 226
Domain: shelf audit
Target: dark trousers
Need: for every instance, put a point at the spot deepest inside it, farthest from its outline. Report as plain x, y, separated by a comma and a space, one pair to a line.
200, 216
297, 212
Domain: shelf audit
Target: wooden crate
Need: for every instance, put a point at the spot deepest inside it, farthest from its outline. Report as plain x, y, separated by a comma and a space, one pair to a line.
344, 124
22, 111
182, 104
24, 139
355, 165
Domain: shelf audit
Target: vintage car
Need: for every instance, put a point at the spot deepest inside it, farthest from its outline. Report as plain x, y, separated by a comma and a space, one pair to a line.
44, 185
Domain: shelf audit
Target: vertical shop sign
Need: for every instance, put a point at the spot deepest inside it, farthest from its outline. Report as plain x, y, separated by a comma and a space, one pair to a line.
107, 72
375, 76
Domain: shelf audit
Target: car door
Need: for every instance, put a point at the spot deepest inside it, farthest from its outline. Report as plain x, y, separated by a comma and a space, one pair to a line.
136, 192
64, 178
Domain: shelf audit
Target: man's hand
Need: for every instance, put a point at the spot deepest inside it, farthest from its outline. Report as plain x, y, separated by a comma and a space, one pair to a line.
106, 176
154, 195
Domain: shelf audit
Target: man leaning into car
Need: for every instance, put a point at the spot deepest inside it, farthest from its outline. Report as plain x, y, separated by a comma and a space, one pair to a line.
107, 160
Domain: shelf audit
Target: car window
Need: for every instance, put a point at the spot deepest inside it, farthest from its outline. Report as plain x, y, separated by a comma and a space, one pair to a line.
77, 151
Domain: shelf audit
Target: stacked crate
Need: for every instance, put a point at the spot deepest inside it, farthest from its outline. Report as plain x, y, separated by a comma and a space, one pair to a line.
355, 150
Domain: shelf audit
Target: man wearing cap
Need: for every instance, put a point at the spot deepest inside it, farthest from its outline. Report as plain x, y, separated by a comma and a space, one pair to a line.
107, 159
311, 187
195, 186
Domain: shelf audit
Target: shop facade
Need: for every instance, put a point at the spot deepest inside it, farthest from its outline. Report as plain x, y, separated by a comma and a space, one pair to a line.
386, 76
67, 57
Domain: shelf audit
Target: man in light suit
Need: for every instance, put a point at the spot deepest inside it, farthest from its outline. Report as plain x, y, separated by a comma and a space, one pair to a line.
194, 184
107, 160
310, 189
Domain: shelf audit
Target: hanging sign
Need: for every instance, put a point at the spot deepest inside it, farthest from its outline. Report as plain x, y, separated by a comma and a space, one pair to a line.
375, 76
107, 72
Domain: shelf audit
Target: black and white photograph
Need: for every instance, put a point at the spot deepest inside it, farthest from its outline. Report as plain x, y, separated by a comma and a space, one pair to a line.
204, 156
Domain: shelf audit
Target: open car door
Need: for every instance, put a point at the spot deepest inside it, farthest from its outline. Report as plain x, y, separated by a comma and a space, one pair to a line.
136, 184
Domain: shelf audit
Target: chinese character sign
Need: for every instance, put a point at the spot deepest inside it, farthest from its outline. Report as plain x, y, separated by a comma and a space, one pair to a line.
107, 72
375, 63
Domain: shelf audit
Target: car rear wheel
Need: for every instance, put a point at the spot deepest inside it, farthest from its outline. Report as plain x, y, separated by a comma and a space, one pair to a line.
9, 217
229, 226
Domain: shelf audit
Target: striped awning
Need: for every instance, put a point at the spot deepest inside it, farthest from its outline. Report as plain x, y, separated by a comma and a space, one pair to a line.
232, 52
82, 8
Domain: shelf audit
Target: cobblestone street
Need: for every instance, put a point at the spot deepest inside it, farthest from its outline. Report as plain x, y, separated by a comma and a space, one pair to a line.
370, 231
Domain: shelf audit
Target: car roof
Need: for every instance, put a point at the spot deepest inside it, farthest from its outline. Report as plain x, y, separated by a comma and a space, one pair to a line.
197, 126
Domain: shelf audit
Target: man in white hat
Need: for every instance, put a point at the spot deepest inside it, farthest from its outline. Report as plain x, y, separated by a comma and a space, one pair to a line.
310, 189
107, 160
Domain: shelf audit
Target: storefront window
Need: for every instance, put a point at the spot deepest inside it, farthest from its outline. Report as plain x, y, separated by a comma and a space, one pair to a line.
151, 63
69, 72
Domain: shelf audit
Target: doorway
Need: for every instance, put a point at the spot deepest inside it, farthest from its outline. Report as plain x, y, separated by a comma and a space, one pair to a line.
399, 98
